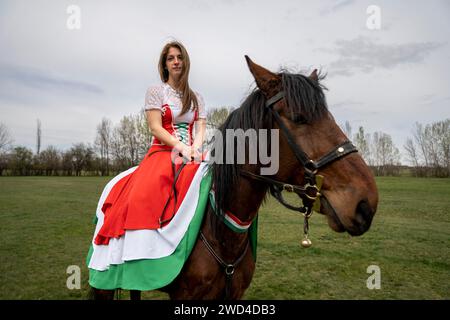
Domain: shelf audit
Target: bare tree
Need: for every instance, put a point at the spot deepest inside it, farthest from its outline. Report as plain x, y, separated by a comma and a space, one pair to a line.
144, 134
103, 144
412, 152
21, 161
386, 154
50, 160
432, 143
214, 119
5, 138
413, 156
67, 162
82, 156
125, 144
5, 144
362, 141
420, 139
347, 128
38, 137
217, 117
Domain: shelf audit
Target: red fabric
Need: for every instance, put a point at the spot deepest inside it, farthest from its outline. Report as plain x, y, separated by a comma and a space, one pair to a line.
166, 122
137, 200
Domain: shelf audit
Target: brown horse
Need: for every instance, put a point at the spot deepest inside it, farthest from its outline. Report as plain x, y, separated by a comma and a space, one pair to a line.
221, 264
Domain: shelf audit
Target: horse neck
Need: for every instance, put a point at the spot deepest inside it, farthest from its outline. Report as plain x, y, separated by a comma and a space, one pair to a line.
247, 198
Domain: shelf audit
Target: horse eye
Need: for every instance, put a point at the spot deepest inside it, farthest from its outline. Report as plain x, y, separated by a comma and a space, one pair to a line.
298, 119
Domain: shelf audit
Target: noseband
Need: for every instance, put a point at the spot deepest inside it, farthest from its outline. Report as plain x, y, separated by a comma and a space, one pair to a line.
310, 191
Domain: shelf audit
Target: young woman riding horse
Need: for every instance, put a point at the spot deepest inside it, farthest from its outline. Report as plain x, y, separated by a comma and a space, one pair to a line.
311, 146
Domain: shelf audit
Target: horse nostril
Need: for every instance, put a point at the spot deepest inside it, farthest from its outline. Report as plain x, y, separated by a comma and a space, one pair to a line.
364, 213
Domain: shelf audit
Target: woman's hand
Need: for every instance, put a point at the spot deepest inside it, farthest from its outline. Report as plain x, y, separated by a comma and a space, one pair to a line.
188, 152
184, 150
195, 155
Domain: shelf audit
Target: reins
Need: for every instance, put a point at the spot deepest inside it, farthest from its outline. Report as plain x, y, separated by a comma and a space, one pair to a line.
176, 174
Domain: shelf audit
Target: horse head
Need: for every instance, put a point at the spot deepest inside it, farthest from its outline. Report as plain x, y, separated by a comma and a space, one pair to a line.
349, 195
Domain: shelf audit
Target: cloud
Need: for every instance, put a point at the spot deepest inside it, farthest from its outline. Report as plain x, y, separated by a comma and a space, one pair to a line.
39, 79
336, 7
432, 99
345, 104
365, 55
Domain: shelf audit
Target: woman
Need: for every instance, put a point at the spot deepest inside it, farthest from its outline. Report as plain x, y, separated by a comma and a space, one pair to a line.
139, 205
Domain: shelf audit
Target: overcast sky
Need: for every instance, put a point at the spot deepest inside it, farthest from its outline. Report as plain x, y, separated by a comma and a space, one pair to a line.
382, 79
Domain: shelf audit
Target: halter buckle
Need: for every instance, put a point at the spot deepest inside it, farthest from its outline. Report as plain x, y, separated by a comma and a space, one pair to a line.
311, 166
229, 269
317, 191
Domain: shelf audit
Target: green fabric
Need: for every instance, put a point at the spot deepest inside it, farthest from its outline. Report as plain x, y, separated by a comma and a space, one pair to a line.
182, 129
253, 236
150, 274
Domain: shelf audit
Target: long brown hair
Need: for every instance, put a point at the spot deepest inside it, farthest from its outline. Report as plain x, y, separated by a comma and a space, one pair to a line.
188, 97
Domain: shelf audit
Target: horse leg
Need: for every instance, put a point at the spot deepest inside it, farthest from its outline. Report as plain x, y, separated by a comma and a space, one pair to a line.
103, 294
135, 295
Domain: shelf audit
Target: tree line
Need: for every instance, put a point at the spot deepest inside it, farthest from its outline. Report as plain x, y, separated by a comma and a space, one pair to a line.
115, 149
427, 151
120, 146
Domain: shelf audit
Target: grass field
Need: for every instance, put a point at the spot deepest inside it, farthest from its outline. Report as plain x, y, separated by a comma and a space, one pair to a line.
46, 226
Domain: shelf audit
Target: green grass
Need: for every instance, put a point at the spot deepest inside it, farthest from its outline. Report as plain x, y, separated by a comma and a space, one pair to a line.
46, 226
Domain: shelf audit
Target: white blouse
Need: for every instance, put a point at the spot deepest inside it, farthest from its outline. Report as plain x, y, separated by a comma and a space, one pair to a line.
163, 94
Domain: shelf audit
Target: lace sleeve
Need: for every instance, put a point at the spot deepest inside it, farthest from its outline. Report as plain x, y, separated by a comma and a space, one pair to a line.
153, 98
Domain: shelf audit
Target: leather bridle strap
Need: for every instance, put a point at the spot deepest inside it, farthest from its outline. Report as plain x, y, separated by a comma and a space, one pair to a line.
308, 190
341, 150
301, 156
228, 267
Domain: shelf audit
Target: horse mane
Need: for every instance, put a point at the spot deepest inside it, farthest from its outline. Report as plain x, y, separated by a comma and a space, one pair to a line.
304, 97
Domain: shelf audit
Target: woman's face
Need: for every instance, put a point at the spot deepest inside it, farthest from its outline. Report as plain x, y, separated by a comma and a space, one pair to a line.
174, 63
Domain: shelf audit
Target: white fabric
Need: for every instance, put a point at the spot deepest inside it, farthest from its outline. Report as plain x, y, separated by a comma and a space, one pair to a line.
162, 94
145, 244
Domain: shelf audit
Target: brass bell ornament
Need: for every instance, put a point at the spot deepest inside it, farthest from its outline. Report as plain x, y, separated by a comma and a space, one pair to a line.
306, 243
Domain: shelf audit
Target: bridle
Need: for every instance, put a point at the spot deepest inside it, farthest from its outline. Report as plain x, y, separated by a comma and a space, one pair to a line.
310, 191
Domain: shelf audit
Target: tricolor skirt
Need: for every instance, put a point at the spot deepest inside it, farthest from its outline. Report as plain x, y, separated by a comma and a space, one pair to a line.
147, 225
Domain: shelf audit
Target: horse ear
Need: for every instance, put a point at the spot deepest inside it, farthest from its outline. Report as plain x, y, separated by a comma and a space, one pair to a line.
314, 76
267, 81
